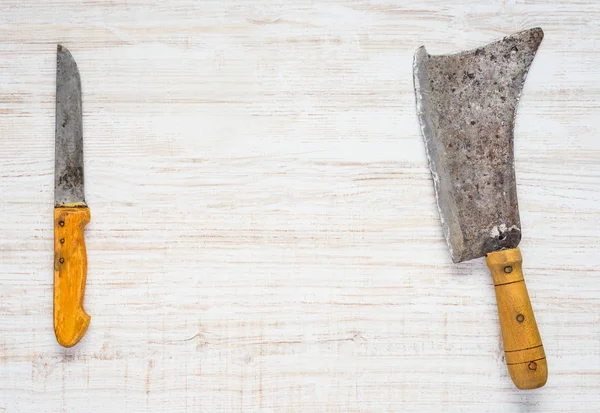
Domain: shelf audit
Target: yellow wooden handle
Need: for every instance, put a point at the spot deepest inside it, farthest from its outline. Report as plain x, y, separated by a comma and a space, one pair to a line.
70, 272
523, 348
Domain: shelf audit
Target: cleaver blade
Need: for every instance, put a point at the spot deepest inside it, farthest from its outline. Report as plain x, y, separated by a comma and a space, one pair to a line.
466, 104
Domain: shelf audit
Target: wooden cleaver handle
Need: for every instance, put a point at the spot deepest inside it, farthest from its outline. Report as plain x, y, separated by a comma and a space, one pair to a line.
70, 272
523, 346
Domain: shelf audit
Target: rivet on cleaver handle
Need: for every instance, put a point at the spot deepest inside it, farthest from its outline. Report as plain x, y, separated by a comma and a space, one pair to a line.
70, 273
523, 348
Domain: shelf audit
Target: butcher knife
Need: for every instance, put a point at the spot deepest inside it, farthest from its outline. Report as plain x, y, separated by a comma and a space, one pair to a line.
466, 104
71, 213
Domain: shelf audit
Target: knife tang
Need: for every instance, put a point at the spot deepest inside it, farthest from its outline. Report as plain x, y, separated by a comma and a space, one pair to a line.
523, 348
70, 272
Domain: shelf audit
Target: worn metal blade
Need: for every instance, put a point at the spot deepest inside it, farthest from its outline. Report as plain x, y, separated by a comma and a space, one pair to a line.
68, 173
466, 104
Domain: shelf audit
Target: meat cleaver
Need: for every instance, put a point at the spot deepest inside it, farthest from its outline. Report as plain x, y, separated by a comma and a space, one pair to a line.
466, 104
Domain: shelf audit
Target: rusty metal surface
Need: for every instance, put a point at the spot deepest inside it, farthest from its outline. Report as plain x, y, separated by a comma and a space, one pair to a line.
466, 105
68, 173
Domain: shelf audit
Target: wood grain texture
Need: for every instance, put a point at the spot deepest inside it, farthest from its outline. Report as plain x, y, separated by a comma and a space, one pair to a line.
70, 273
523, 347
265, 236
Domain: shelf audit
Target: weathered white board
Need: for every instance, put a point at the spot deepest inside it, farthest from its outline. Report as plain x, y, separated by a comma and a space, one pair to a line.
264, 235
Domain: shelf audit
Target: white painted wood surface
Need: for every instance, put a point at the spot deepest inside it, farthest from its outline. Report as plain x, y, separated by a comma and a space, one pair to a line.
264, 236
